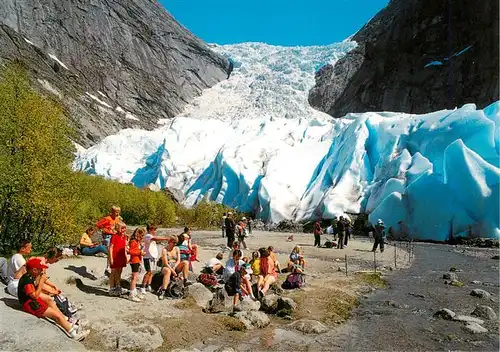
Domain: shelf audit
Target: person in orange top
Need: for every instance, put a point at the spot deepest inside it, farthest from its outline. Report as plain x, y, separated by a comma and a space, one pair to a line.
267, 270
135, 251
117, 258
108, 223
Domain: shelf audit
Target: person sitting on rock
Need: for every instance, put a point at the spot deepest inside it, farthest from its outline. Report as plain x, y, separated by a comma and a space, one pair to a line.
216, 264
233, 265
149, 244
186, 245
172, 265
35, 302
255, 263
274, 257
296, 258
241, 232
87, 247
268, 272
236, 284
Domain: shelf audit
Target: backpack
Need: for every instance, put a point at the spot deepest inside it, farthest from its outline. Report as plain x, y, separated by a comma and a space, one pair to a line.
209, 280
293, 281
4, 277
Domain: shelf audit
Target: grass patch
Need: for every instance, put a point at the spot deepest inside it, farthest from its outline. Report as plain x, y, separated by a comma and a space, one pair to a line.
330, 306
231, 323
372, 279
186, 303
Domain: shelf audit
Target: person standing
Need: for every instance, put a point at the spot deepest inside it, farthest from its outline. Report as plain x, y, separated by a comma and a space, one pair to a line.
379, 236
317, 234
230, 229
250, 222
149, 258
223, 225
347, 229
107, 226
341, 232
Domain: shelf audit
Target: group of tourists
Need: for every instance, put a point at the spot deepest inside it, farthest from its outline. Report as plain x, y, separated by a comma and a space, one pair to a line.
28, 281
235, 230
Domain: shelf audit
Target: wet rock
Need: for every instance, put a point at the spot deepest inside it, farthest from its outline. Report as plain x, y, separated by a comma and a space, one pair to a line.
200, 293
476, 282
468, 319
485, 312
450, 276
252, 319
477, 292
287, 304
309, 326
270, 303
445, 313
275, 289
217, 304
248, 305
475, 328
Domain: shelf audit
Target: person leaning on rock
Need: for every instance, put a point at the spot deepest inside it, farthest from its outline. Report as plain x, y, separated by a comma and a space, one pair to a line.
35, 302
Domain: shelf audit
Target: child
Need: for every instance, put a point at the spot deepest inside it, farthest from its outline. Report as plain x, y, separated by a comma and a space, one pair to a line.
255, 263
148, 258
117, 258
136, 254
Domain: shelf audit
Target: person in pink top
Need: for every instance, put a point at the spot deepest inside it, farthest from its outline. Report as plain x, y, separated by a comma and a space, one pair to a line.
268, 274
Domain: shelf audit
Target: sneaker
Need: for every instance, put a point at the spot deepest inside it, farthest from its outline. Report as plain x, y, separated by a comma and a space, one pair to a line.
161, 294
77, 334
149, 289
134, 298
141, 290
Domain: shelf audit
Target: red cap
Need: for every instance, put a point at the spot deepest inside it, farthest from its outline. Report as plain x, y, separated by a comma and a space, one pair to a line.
35, 263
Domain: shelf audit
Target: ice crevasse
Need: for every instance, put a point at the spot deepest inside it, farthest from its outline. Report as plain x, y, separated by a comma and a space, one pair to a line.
253, 143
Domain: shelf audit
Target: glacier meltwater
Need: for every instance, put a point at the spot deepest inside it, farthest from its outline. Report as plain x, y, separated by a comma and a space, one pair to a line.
253, 142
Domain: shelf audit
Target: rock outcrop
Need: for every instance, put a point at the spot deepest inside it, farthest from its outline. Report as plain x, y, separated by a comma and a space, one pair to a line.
416, 56
113, 64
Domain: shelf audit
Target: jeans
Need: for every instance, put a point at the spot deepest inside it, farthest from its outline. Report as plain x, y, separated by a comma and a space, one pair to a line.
317, 240
377, 242
230, 240
94, 250
106, 239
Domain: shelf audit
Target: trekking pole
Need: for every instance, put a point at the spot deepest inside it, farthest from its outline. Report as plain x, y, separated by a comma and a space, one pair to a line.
346, 265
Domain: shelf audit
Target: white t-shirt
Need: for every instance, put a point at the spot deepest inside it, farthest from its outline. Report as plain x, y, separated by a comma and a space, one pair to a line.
213, 261
229, 268
15, 263
147, 242
329, 230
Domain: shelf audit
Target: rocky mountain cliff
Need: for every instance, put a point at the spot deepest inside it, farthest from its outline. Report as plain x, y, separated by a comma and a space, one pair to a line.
113, 63
416, 56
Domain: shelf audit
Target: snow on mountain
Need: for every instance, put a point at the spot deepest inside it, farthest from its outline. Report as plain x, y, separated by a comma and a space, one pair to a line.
254, 143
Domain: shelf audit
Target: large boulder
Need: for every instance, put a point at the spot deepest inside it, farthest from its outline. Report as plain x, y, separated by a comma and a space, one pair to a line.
248, 305
308, 326
252, 319
485, 312
270, 303
286, 304
475, 328
445, 313
200, 293
477, 292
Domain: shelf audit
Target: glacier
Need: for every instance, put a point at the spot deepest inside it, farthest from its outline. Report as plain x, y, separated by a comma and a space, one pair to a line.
253, 143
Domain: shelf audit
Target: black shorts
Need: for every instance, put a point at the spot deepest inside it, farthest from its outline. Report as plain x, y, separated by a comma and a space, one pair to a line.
147, 264
135, 267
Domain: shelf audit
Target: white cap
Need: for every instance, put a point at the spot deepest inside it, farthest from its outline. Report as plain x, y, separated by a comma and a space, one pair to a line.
379, 221
243, 218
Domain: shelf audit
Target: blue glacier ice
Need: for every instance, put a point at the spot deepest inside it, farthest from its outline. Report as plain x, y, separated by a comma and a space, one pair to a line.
253, 142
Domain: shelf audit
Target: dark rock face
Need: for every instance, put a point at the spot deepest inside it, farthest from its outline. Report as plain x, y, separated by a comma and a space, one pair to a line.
145, 64
387, 71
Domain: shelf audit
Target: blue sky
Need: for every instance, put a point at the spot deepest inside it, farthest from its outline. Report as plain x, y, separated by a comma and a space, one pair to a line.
278, 22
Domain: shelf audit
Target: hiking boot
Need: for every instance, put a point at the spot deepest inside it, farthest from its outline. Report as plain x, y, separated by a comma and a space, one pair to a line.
161, 294
134, 298
77, 334
113, 292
